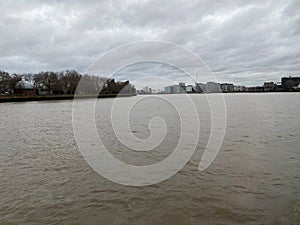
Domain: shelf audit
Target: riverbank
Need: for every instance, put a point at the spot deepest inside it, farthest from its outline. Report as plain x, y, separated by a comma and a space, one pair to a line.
15, 98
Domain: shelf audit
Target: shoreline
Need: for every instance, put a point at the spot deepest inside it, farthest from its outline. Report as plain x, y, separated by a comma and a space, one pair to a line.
15, 98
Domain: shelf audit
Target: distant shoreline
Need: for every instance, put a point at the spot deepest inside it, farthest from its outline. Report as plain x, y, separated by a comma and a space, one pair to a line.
15, 98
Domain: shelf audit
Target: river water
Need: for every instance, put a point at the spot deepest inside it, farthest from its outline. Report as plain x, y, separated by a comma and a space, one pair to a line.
255, 178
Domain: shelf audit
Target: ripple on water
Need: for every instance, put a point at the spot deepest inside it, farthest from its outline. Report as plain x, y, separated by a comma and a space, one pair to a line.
254, 179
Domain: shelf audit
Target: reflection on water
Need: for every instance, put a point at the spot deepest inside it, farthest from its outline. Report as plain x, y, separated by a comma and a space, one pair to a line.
254, 180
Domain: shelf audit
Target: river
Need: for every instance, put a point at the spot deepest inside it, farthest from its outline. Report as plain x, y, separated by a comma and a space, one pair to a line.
255, 178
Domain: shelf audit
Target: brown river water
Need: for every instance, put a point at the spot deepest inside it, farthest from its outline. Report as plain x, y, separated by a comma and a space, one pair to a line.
255, 178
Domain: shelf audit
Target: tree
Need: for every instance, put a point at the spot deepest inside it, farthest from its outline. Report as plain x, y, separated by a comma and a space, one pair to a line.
4, 81
15, 78
91, 84
47, 81
69, 80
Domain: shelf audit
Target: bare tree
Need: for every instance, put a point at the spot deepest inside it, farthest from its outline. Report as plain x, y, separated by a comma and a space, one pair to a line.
4, 81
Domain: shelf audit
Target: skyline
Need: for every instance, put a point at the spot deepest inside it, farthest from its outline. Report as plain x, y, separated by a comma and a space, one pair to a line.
242, 42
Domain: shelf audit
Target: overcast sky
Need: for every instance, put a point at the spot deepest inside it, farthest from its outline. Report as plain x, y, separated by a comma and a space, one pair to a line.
242, 41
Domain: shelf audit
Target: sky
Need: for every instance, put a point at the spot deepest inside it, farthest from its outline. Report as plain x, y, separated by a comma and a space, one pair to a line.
243, 42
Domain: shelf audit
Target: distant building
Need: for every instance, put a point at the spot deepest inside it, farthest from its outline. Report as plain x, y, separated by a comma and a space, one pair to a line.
239, 88
270, 86
290, 83
156, 91
146, 90
175, 89
256, 89
182, 87
225, 87
24, 88
169, 90
199, 87
212, 87
189, 89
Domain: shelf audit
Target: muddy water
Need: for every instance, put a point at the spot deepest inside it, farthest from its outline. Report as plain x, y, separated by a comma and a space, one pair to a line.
254, 179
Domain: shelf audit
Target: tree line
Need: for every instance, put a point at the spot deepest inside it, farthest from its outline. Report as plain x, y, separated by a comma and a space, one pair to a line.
63, 82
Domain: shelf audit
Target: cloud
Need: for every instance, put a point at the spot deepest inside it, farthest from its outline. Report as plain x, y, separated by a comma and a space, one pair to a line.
245, 42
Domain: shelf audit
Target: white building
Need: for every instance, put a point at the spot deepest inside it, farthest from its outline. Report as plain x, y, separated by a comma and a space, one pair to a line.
189, 88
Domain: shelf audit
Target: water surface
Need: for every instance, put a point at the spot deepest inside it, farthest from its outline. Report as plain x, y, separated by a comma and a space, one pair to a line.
254, 179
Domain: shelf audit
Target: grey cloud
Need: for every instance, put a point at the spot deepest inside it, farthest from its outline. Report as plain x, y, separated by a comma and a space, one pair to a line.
242, 41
